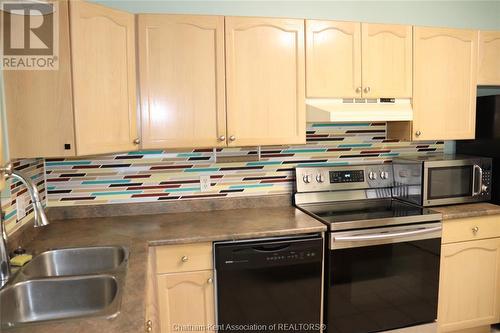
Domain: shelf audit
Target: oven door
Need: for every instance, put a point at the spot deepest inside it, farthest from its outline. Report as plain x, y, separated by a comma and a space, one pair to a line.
450, 182
383, 278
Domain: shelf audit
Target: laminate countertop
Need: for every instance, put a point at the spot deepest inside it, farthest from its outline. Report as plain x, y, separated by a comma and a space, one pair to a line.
467, 210
140, 232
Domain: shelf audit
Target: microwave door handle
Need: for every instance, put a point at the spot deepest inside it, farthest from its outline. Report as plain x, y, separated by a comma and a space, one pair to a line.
480, 185
381, 236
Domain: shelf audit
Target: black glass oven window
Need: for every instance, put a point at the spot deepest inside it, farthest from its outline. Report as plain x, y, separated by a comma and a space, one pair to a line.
383, 287
450, 182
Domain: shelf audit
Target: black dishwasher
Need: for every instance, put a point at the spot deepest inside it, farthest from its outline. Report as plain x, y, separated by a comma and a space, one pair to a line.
272, 285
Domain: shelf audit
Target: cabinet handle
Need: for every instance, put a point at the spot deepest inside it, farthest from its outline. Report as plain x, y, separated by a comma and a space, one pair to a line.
475, 230
418, 133
232, 138
210, 280
367, 89
137, 141
222, 138
358, 90
149, 326
184, 259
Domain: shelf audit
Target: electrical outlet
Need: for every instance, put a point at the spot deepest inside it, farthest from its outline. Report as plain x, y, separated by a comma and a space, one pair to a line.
21, 204
205, 183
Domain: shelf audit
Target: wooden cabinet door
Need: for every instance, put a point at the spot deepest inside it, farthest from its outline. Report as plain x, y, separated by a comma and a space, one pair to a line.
103, 60
182, 81
387, 55
468, 291
265, 81
39, 106
444, 94
333, 59
186, 299
489, 58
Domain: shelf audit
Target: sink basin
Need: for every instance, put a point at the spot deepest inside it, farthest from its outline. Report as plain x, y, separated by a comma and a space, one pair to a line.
75, 261
58, 298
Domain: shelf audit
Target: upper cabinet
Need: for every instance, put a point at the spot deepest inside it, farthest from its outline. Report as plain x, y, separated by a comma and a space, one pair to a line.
489, 58
182, 80
104, 85
350, 59
87, 106
444, 86
265, 81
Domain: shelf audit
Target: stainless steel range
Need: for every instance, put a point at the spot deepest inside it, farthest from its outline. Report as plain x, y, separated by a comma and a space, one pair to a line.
383, 254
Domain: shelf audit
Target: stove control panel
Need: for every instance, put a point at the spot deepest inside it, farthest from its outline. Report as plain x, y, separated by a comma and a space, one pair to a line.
351, 177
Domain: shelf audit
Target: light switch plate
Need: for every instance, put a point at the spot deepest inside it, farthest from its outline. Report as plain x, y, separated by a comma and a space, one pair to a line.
205, 183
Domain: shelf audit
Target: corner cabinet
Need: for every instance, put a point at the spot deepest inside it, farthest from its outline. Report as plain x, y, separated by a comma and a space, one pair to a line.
358, 60
444, 86
489, 58
104, 85
182, 87
181, 293
265, 72
470, 274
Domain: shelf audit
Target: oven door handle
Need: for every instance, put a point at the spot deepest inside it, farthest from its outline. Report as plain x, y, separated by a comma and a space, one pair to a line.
381, 236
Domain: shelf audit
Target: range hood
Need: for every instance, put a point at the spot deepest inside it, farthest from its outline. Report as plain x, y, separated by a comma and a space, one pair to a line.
358, 109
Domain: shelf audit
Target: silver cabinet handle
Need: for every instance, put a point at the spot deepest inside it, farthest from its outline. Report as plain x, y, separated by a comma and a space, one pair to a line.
137, 141
222, 138
418, 133
358, 90
232, 138
210, 280
184, 259
149, 326
475, 230
480, 185
366, 90
385, 235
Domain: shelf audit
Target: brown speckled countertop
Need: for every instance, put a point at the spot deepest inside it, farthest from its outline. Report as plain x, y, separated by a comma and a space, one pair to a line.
139, 232
467, 210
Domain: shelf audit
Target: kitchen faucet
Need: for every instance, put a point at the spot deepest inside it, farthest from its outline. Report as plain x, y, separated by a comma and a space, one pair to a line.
39, 220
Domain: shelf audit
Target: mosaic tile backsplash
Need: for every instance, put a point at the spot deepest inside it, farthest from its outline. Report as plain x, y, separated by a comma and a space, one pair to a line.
147, 176
34, 168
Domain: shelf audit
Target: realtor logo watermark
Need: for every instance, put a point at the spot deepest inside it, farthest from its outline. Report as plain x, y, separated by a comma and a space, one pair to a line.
30, 35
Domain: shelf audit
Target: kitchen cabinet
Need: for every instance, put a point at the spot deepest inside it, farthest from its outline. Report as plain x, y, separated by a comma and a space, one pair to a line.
351, 59
469, 277
88, 105
104, 85
489, 58
182, 87
181, 288
265, 72
444, 86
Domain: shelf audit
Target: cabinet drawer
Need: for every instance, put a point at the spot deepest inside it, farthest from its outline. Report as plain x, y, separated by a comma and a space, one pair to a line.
183, 258
467, 229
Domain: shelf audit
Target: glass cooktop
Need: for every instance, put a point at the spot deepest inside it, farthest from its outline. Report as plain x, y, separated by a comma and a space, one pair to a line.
369, 213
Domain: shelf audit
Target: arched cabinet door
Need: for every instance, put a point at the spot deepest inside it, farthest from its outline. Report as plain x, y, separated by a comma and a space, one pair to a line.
387, 55
181, 62
489, 58
186, 300
333, 59
265, 81
104, 84
468, 290
445, 79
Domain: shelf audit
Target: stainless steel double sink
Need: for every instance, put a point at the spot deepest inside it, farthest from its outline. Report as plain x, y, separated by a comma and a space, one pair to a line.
65, 283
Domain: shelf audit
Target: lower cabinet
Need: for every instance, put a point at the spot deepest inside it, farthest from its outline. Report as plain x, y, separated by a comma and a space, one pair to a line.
469, 280
181, 289
186, 302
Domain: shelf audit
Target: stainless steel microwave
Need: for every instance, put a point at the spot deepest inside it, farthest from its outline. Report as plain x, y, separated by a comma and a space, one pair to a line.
442, 179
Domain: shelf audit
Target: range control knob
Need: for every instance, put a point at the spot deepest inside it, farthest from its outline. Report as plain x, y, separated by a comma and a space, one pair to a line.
320, 178
306, 179
372, 175
484, 188
384, 175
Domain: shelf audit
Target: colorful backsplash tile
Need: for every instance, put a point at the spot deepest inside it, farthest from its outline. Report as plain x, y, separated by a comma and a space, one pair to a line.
33, 168
157, 175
